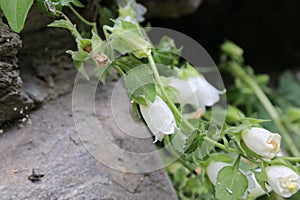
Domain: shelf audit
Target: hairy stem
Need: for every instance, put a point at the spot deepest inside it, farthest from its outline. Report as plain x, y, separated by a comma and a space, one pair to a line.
93, 24
239, 72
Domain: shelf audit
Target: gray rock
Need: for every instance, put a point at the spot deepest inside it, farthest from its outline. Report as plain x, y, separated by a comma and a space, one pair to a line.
50, 145
12, 101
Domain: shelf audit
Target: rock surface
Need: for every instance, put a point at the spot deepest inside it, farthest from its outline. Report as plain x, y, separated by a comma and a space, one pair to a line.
48, 142
11, 97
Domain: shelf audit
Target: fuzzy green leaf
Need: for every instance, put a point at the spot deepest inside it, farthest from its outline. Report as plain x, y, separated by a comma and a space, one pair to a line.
231, 184
179, 141
67, 25
140, 84
16, 12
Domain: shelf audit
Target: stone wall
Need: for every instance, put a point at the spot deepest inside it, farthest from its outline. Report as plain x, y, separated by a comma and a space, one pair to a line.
13, 102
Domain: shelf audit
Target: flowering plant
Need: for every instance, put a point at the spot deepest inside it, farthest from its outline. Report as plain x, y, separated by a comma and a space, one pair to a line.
238, 159
176, 103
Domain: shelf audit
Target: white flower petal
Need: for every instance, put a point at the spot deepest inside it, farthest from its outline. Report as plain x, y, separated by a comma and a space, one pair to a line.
262, 142
254, 189
159, 118
195, 91
186, 93
283, 180
213, 169
207, 95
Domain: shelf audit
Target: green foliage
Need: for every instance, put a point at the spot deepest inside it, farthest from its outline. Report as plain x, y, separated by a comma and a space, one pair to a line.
289, 89
179, 141
231, 184
262, 179
16, 12
166, 52
196, 141
127, 37
140, 84
67, 25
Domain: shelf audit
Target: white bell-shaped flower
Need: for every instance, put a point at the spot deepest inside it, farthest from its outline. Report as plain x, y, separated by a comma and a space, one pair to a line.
262, 142
195, 91
159, 118
254, 189
213, 169
283, 180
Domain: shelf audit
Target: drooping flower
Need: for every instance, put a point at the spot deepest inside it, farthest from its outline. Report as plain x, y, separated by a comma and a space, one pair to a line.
213, 169
159, 118
254, 189
262, 142
283, 180
195, 91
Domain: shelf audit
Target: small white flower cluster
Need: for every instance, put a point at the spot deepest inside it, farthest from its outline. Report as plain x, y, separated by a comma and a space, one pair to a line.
281, 179
196, 91
254, 189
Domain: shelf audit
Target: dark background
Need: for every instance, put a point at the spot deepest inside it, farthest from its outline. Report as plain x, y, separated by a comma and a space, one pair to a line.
268, 31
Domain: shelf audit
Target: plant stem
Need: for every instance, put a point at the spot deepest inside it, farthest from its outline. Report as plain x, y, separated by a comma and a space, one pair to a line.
187, 166
176, 112
239, 72
119, 70
221, 146
168, 100
93, 24
292, 159
175, 154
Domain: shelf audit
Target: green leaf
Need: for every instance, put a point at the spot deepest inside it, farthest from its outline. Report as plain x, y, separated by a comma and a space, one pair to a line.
220, 157
130, 42
289, 88
127, 37
262, 179
179, 141
166, 52
294, 114
197, 140
234, 115
80, 67
187, 72
140, 84
231, 184
194, 188
67, 25
16, 12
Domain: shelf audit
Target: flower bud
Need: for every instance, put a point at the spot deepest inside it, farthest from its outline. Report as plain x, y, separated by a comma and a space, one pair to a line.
283, 180
213, 169
159, 118
196, 91
262, 142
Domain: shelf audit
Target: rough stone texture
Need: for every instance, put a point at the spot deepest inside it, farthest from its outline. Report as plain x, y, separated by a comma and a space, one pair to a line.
10, 81
48, 142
